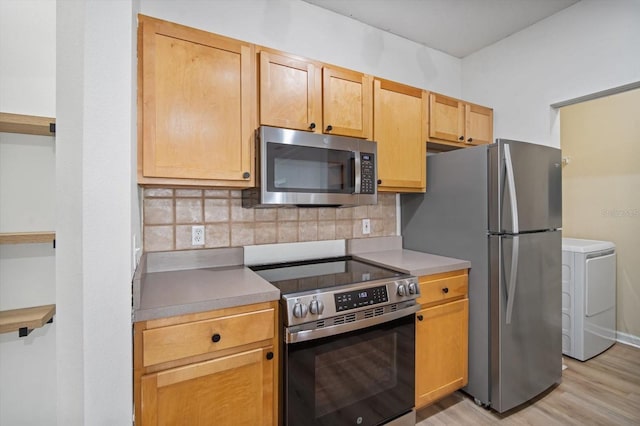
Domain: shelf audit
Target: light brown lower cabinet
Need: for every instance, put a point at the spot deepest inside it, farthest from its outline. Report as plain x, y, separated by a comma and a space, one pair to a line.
216, 383
442, 332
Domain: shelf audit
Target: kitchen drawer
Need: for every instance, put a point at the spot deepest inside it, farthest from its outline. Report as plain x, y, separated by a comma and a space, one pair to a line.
443, 287
199, 337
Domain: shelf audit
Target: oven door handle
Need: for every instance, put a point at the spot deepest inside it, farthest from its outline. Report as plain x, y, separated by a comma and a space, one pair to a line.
306, 335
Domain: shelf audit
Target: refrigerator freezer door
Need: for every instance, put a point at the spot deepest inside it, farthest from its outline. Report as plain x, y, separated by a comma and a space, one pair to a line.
526, 324
525, 187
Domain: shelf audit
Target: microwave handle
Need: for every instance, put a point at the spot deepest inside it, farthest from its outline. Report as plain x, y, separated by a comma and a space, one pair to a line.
356, 171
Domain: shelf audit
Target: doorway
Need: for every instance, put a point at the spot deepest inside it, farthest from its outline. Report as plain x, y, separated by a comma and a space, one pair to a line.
600, 142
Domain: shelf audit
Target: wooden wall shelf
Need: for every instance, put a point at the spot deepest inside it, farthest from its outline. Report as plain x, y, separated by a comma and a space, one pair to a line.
26, 319
27, 237
29, 124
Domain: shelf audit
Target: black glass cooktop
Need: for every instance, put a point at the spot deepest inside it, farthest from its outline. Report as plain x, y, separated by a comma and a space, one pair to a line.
293, 277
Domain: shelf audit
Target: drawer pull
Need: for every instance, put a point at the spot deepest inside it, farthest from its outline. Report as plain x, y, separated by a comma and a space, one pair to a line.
215, 338
445, 290
269, 355
420, 317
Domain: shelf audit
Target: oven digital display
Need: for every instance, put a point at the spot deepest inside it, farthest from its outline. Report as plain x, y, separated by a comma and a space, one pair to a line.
360, 298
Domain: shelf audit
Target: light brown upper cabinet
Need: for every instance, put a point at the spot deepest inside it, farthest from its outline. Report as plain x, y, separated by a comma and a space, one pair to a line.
297, 93
347, 98
400, 129
458, 123
196, 107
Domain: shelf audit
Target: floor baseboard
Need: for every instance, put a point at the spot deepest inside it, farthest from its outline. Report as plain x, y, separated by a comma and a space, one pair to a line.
628, 339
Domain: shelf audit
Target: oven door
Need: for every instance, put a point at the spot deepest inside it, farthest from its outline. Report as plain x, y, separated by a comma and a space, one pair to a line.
362, 377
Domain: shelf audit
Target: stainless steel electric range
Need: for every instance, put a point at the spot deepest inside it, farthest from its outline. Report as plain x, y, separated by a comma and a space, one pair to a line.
348, 342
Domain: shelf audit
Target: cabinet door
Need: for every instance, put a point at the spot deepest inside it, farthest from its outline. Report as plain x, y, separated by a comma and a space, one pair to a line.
441, 350
399, 128
196, 94
478, 124
446, 118
234, 390
347, 102
290, 92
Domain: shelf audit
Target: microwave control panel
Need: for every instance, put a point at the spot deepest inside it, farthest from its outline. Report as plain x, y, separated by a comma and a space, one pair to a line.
367, 173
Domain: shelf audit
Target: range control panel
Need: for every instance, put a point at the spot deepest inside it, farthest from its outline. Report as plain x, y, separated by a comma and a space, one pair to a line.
359, 298
314, 305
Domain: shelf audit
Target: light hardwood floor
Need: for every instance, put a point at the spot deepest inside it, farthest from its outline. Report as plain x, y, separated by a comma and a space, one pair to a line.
604, 390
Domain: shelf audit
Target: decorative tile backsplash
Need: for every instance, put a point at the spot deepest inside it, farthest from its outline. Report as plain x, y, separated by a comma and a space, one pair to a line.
170, 213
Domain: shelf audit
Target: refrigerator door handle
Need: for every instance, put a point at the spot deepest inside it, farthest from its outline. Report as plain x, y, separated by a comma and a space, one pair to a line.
513, 276
512, 188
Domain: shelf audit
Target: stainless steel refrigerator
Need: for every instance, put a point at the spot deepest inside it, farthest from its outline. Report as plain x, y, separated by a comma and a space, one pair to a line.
500, 207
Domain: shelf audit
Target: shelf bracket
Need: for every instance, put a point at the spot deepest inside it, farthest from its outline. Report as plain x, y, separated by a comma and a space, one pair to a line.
25, 331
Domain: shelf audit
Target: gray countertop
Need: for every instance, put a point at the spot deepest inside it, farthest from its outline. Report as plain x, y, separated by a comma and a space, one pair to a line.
177, 283
170, 293
414, 262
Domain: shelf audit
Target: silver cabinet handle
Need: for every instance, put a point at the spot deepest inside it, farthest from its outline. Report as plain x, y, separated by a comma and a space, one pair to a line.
513, 277
512, 188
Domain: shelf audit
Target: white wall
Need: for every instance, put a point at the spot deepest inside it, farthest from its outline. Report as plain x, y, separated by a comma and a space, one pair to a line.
98, 210
300, 28
27, 203
586, 48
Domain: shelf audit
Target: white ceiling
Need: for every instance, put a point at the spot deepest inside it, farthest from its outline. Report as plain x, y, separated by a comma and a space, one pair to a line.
456, 27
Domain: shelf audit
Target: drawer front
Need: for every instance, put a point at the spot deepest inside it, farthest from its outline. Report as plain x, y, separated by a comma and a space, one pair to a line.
442, 289
200, 337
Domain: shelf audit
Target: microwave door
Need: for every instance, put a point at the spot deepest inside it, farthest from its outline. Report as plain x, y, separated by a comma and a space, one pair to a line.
302, 168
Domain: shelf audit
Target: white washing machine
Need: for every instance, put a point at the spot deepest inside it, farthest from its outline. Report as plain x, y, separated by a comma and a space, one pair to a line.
588, 297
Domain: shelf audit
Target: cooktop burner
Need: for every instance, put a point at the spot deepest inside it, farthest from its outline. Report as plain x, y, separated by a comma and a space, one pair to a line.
294, 277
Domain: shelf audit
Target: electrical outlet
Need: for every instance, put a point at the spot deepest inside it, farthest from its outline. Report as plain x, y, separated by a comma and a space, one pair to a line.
197, 235
366, 226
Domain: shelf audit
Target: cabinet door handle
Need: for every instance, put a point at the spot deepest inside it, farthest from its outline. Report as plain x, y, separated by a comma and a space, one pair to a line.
329, 128
420, 317
379, 181
246, 175
269, 355
215, 338
470, 140
461, 138
445, 290
312, 126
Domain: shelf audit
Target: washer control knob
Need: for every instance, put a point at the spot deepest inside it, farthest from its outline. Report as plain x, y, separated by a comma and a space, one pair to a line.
300, 310
402, 290
316, 307
413, 288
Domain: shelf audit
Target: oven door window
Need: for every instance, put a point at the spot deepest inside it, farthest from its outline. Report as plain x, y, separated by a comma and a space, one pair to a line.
296, 168
364, 377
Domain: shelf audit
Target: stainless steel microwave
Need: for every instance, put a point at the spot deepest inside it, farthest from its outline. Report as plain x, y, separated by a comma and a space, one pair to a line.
299, 168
